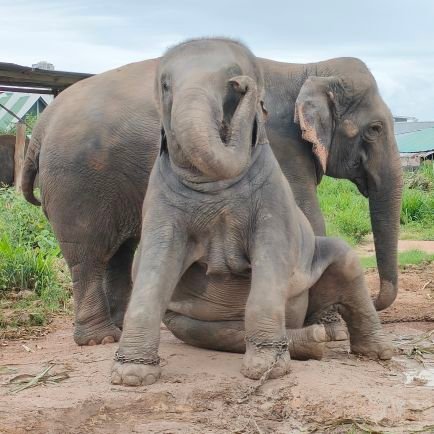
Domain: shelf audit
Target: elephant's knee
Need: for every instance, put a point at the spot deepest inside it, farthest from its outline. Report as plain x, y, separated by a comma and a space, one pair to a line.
352, 268
346, 260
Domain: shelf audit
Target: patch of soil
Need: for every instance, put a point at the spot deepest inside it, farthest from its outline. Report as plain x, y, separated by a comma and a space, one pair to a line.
201, 391
367, 247
415, 301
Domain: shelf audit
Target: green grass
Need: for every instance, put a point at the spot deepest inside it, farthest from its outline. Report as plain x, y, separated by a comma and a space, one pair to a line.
409, 257
34, 281
346, 211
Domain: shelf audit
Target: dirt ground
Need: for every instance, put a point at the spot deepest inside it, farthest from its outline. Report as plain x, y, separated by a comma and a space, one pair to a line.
202, 391
367, 247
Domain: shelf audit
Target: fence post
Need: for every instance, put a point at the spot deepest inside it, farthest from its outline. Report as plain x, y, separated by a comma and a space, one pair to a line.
20, 143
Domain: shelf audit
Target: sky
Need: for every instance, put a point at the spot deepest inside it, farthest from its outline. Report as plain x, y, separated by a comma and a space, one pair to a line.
395, 38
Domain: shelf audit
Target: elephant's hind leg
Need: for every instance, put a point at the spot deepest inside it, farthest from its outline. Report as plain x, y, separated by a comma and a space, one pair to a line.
304, 343
118, 282
93, 324
341, 282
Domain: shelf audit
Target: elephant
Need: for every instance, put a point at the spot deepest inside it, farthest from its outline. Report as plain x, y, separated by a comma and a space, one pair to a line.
222, 237
7, 162
95, 145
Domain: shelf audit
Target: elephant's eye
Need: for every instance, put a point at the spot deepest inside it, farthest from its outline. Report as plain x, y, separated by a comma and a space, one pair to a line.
374, 130
164, 86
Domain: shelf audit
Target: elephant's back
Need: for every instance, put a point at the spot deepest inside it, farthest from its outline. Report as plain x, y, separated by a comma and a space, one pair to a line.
108, 107
103, 127
99, 140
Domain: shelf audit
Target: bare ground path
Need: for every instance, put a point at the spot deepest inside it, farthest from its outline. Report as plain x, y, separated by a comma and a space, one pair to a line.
200, 390
367, 247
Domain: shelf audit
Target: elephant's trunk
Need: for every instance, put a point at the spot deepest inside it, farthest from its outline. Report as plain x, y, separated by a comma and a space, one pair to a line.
385, 190
197, 130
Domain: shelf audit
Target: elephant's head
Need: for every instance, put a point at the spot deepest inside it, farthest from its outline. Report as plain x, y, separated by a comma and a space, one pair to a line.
351, 129
209, 93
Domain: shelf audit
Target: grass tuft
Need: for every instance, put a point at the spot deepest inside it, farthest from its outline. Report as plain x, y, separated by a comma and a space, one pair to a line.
34, 281
409, 257
346, 211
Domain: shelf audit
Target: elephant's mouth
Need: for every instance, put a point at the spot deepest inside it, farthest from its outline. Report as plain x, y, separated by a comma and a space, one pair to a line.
224, 131
362, 185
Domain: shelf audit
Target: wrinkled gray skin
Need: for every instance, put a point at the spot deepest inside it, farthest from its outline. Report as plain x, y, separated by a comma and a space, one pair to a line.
7, 150
222, 237
95, 145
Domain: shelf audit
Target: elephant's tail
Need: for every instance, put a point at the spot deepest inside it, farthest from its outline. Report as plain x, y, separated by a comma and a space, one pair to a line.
30, 170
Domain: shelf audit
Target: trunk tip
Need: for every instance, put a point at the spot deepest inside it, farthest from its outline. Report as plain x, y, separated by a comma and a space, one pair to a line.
387, 295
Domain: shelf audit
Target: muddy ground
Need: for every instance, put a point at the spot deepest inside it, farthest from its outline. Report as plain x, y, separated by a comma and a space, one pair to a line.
202, 391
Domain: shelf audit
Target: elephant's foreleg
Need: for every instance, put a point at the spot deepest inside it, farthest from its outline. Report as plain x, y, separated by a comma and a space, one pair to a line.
164, 257
272, 286
118, 282
304, 343
339, 280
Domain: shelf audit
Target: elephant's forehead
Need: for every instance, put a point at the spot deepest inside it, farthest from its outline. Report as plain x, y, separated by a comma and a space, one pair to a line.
210, 61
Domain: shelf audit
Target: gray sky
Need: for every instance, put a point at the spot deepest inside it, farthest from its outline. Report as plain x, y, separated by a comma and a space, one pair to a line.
394, 37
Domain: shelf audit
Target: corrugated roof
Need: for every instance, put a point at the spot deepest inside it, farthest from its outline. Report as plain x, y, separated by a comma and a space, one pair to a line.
20, 104
18, 75
417, 141
409, 127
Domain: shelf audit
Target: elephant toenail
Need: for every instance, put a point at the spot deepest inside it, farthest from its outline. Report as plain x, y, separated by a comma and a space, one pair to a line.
319, 334
132, 380
116, 378
341, 335
108, 340
149, 379
386, 355
91, 343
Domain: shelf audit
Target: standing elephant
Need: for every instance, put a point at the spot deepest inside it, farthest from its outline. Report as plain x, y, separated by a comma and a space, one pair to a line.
7, 150
222, 237
95, 145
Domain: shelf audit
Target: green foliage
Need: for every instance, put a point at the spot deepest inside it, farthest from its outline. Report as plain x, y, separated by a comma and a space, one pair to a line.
409, 257
30, 259
30, 121
417, 214
346, 211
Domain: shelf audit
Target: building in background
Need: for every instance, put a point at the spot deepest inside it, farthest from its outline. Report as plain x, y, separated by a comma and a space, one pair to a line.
43, 64
415, 141
22, 104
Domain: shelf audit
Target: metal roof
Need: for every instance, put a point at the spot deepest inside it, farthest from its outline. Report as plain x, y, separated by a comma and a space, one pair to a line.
416, 141
409, 127
20, 104
18, 75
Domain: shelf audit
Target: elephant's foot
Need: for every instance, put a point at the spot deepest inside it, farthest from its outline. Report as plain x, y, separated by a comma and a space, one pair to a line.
307, 342
336, 331
134, 374
103, 334
307, 350
258, 361
375, 346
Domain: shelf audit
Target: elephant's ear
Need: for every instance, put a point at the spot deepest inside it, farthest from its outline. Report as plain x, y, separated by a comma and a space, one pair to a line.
163, 141
314, 109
